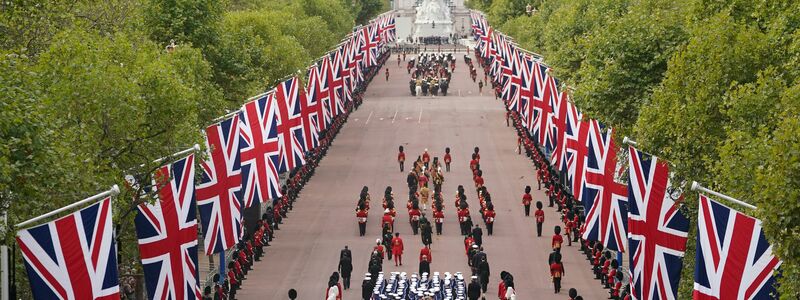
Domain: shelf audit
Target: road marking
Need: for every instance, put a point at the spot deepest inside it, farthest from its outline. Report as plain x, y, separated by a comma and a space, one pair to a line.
368, 117
395, 116
420, 116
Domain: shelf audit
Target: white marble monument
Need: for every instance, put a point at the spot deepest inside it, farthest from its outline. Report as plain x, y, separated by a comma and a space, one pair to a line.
433, 18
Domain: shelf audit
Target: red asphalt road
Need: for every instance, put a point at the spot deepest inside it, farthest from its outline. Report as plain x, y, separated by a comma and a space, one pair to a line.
306, 249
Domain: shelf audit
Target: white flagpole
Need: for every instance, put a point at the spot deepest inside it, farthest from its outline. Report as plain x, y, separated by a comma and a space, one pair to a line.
697, 187
111, 192
195, 148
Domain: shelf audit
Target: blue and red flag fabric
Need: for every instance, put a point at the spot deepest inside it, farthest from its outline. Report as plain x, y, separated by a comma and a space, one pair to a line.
219, 194
603, 197
258, 145
288, 97
657, 229
74, 257
167, 234
733, 259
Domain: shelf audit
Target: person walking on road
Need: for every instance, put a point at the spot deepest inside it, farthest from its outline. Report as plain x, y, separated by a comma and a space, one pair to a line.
483, 273
477, 234
346, 269
480, 87
474, 289
425, 260
539, 215
438, 217
401, 158
361, 216
397, 249
556, 272
526, 200
489, 216
387, 74
447, 159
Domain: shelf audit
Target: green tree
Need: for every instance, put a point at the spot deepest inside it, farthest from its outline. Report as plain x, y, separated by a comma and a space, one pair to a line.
191, 21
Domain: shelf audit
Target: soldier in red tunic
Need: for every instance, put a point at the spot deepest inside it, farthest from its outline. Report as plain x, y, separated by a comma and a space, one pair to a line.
539, 215
438, 217
413, 217
401, 158
526, 200
557, 239
447, 158
463, 217
556, 272
361, 216
387, 219
473, 163
478, 154
489, 216
397, 249
426, 158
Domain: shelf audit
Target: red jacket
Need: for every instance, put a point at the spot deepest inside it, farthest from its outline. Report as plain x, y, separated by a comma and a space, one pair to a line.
539, 214
413, 215
401, 156
501, 290
463, 214
426, 157
527, 199
425, 253
447, 158
438, 216
489, 216
397, 246
556, 270
557, 241
361, 216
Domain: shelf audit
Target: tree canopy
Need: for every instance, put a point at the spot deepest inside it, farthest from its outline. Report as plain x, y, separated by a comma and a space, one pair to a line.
710, 85
89, 90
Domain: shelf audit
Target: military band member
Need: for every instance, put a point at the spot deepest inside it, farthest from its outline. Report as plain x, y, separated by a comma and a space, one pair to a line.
401, 158
539, 215
438, 217
387, 219
413, 217
473, 163
426, 230
478, 154
447, 159
378, 248
463, 218
424, 195
489, 216
361, 216
526, 200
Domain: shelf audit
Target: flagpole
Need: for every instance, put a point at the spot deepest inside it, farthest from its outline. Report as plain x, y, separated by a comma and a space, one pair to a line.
195, 148
697, 187
111, 192
228, 115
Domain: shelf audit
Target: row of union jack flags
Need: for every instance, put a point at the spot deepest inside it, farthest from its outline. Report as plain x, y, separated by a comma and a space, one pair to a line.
74, 257
640, 216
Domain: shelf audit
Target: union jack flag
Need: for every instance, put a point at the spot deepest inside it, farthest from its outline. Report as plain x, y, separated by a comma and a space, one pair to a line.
561, 110
485, 44
319, 95
734, 260
606, 199
575, 149
339, 92
258, 144
542, 128
512, 76
389, 33
167, 233
657, 229
74, 257
219, 197
369, 44
528, 90
289, 95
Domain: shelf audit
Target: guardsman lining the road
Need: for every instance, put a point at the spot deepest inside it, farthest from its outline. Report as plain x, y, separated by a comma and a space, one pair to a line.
556, 272
413, 217
557, 239
426, 158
